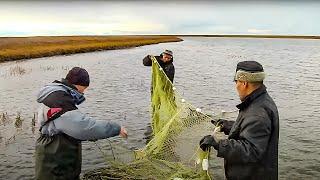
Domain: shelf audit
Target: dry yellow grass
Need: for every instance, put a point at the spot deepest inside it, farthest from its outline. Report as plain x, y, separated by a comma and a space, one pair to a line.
33, 47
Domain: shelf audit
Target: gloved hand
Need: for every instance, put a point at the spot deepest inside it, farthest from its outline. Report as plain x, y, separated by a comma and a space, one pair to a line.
225, 125
207, 141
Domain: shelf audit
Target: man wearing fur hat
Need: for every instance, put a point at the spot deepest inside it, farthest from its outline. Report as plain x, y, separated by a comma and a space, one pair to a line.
165, 60
251, 149
63, 127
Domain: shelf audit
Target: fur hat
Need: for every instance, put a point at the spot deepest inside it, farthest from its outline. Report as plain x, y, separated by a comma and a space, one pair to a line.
249, 71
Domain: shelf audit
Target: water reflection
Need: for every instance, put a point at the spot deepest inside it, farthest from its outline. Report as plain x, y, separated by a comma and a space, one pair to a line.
120, 91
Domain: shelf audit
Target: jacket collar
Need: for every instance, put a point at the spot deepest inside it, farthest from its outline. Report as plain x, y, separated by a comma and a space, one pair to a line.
251, 97
65, 82
76, 95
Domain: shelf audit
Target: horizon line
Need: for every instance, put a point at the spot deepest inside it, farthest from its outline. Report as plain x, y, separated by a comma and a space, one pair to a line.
183, 35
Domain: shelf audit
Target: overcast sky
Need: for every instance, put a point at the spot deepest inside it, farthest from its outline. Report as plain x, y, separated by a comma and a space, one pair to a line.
30, 18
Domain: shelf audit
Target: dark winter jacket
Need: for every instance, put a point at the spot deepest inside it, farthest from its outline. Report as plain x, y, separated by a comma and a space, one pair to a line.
58, 149
168, 66
251, 150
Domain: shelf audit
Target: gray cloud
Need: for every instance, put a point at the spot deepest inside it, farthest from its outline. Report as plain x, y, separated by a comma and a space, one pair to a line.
170, 17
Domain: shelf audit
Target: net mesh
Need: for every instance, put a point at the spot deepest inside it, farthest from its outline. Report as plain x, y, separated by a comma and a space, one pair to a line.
173, 152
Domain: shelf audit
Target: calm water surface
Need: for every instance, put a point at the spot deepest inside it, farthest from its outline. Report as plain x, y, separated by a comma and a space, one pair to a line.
120, 85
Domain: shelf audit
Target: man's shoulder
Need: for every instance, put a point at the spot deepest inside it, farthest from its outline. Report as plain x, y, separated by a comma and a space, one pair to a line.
59, 95
265, 103
148, 57
157, 57
259, 111
60, 99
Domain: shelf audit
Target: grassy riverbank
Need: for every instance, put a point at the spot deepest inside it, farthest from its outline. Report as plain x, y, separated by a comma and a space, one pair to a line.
16, 48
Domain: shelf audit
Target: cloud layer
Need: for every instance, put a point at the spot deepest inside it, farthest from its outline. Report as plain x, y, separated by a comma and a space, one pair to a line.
170, 17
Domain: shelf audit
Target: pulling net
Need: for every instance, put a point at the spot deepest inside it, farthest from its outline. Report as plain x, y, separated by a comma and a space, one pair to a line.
173, 152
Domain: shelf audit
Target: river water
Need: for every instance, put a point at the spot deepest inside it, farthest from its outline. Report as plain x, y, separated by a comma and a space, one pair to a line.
120, 91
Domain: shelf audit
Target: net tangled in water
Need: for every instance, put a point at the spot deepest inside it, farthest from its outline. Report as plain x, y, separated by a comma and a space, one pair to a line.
173, 152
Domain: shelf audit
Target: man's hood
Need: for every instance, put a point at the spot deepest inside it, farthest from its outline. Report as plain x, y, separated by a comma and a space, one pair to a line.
57, 86
50, 88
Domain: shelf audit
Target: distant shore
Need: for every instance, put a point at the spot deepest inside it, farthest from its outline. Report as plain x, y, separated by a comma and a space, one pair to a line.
256, 36
18, 48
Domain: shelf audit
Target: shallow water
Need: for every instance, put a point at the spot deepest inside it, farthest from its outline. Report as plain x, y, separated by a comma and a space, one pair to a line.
120, 86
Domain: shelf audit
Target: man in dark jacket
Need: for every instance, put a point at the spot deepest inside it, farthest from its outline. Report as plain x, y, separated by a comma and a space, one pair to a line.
165, 60
63, 127
251, 150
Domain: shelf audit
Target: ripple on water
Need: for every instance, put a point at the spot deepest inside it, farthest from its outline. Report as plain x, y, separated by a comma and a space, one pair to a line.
120, 91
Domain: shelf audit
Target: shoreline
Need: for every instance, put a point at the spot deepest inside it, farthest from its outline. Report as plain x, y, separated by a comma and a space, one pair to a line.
23, 48
255, 36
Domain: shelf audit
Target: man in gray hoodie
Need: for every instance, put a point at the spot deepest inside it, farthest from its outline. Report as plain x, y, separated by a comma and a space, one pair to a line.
63, 127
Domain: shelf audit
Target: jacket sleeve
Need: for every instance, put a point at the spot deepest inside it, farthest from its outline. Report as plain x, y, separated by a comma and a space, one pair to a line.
147, 61
82, 127
227, 127
171, 72
252, 144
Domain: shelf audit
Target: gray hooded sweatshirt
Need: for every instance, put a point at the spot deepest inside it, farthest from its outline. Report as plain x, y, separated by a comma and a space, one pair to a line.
58, 149
73, 123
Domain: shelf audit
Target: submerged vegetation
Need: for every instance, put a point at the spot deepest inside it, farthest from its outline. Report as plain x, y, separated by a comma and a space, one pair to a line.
17, 48
17, 70
10, 127
18, 122
4, 118
20, 69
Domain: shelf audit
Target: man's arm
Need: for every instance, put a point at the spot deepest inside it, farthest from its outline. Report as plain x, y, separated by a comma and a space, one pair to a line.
147, 61
253, 142
82, 127
171, 72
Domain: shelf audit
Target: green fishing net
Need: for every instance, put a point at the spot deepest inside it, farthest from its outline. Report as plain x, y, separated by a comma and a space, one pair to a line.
173, 152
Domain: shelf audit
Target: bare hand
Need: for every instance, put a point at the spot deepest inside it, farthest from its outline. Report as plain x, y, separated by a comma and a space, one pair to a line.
217, 134
123, 132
